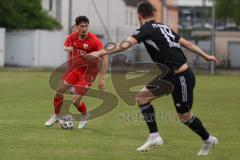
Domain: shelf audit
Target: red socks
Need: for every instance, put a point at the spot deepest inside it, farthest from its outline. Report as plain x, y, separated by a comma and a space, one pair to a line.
57, 104
82, 108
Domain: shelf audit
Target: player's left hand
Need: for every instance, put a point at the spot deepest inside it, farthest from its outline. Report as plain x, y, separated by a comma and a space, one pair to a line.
101, 85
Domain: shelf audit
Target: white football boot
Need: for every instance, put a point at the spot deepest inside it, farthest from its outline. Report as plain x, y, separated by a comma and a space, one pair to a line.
53, 119
83, 121
207, 146
150, 144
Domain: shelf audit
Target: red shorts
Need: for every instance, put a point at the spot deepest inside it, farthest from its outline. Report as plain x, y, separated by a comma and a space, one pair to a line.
80, 79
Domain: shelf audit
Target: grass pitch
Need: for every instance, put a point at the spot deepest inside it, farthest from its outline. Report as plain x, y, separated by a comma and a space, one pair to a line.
26, 103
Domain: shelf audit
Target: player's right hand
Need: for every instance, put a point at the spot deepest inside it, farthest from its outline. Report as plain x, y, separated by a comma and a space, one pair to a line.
69, 49
212, 58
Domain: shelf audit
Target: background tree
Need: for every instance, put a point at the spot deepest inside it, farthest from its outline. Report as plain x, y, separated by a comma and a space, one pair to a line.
229, 9
25, 14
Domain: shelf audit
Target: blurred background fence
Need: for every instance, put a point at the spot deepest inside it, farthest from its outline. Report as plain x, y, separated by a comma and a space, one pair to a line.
113, 21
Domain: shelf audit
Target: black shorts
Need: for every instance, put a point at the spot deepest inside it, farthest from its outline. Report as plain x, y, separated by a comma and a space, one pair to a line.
182, 89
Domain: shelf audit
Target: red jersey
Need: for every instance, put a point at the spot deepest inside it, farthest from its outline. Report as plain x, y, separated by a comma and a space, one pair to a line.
83, 47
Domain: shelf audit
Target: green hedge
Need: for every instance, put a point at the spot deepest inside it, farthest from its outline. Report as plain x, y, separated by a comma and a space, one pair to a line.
25, 14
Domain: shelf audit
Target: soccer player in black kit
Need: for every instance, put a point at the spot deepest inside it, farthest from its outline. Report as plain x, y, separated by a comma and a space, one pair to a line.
164, 46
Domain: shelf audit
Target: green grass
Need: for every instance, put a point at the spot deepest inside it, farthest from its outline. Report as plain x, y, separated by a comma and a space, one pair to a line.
26, 103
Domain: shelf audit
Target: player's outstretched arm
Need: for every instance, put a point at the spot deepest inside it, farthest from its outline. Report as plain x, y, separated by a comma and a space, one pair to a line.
195, 49
120, 47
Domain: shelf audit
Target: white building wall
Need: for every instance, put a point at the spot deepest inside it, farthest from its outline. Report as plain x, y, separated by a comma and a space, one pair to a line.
45, 4
2, 46
50, 52
35, 48
19, 48
112, 12
65, 14
193, 3
234, 54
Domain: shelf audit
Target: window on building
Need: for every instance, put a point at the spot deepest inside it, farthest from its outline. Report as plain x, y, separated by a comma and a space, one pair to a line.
50, 5
59, 10
131, 18
136, 18
126, 17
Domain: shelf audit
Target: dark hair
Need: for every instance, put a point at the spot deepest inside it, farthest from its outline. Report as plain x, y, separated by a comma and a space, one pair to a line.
145, 9
81, 19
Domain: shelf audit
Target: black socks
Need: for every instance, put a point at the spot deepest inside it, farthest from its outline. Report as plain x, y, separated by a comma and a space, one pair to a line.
149, 117
196, 125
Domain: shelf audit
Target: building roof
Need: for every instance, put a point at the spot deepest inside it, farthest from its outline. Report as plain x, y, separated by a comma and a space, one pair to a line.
195, 3
132, 3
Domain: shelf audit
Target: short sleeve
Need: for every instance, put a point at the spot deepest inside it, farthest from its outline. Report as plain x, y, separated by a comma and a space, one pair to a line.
140, 35
177, 36
67, 42
99, 45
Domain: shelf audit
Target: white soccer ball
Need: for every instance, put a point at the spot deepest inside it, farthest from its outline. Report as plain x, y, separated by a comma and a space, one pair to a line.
66, 122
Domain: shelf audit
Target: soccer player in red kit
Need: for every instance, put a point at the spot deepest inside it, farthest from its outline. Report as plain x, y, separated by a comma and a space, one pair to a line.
81, 72
74, 28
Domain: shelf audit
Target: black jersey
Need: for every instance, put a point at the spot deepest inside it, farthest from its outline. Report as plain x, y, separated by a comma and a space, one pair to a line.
162, 43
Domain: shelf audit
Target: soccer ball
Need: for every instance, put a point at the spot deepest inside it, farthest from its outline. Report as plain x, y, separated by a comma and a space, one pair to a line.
66, 122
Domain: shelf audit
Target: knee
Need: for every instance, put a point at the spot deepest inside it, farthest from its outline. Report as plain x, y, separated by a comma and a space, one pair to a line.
140, 100
58, 95
144, 97
76, 100
186, 117
59, 92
